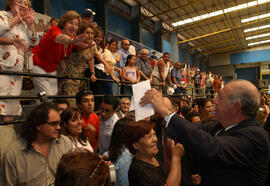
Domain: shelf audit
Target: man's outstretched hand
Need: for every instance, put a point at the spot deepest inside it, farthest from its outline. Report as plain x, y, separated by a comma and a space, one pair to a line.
155, 97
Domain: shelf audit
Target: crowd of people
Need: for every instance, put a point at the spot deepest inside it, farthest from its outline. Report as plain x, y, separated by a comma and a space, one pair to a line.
220, 139
75, 46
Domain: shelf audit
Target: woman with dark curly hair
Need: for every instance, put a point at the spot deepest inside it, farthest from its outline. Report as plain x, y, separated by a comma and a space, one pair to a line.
83, 168
145, 169
119, 154
72, 126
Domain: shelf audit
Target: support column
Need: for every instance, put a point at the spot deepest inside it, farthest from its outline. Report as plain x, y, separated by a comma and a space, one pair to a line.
136, 31
42, 6
158, 35
101, 16
174, 44
194, 61
207, 68
202, 63
185, 53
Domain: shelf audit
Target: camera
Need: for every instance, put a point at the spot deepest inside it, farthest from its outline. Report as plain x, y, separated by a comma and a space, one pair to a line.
43, 97
111, 181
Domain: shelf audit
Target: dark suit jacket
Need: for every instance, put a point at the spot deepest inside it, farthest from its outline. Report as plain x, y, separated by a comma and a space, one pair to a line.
239, 157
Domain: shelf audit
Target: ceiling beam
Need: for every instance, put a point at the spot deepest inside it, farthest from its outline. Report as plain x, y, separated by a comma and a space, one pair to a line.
211, 18
206, 35
218, 32
222, 49
172, 9
215, 43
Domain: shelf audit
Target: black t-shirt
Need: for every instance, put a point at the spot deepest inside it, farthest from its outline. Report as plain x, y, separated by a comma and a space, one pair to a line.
144, 174
197, 79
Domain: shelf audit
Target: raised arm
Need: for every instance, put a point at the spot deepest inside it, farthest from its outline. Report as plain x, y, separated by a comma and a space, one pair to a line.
174, 177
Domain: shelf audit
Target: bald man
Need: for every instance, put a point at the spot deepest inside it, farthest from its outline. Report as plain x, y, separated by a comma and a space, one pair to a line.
144, 65
124, 52
235, 150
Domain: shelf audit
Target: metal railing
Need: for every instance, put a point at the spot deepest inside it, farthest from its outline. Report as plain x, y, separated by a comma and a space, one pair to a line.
28, 74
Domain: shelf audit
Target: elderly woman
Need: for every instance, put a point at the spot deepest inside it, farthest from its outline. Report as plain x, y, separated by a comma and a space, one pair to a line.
16, 23
83, 168
72, 126
145, 169
55, 46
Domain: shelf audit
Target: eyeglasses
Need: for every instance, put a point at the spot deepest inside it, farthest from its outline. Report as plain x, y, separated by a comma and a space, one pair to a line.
54, 123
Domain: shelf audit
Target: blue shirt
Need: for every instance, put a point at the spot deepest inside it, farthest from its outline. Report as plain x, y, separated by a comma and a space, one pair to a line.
177, 74
123, 58
121, 167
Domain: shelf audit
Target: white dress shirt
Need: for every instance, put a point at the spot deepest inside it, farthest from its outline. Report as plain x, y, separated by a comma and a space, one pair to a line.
105, 132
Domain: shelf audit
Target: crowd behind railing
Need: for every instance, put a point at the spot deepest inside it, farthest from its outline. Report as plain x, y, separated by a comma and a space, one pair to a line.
72, 59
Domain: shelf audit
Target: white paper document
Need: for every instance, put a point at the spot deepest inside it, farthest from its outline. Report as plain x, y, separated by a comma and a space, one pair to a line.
139, 90
132, 106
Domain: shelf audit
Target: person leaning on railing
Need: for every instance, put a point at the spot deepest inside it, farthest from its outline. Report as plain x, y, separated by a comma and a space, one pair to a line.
75, 63
55, 46
17, 30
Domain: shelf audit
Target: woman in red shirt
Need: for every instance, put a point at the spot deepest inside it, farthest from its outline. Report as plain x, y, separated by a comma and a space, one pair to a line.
55, 46
216, 85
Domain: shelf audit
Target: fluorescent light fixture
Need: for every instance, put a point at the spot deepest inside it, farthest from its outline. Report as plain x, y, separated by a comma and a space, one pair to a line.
255, 18
260, 42
257, 36
219, 12
198, 18
216, 13
188, 20
257, 28
252, 3
262, 1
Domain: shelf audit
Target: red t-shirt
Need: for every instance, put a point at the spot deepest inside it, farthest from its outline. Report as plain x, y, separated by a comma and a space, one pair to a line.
48, 54
153, 62
216, 85
94, 121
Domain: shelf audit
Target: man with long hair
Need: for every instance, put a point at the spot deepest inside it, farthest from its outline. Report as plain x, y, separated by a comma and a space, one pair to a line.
33, 158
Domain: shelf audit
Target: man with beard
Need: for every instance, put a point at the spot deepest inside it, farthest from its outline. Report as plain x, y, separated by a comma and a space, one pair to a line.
85, 102
33, 158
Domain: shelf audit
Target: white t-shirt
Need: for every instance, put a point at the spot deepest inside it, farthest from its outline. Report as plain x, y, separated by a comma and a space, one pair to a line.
77, 145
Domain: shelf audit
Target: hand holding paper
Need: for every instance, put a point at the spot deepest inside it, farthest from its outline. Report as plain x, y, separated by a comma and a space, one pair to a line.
139, 90
156, 99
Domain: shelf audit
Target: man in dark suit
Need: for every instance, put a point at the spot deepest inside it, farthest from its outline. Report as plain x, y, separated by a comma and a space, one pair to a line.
235, 150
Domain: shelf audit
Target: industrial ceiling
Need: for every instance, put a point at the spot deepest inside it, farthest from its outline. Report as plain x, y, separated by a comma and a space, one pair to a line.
210, 26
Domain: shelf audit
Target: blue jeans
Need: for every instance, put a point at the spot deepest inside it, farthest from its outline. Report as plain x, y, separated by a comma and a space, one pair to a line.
107, 86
